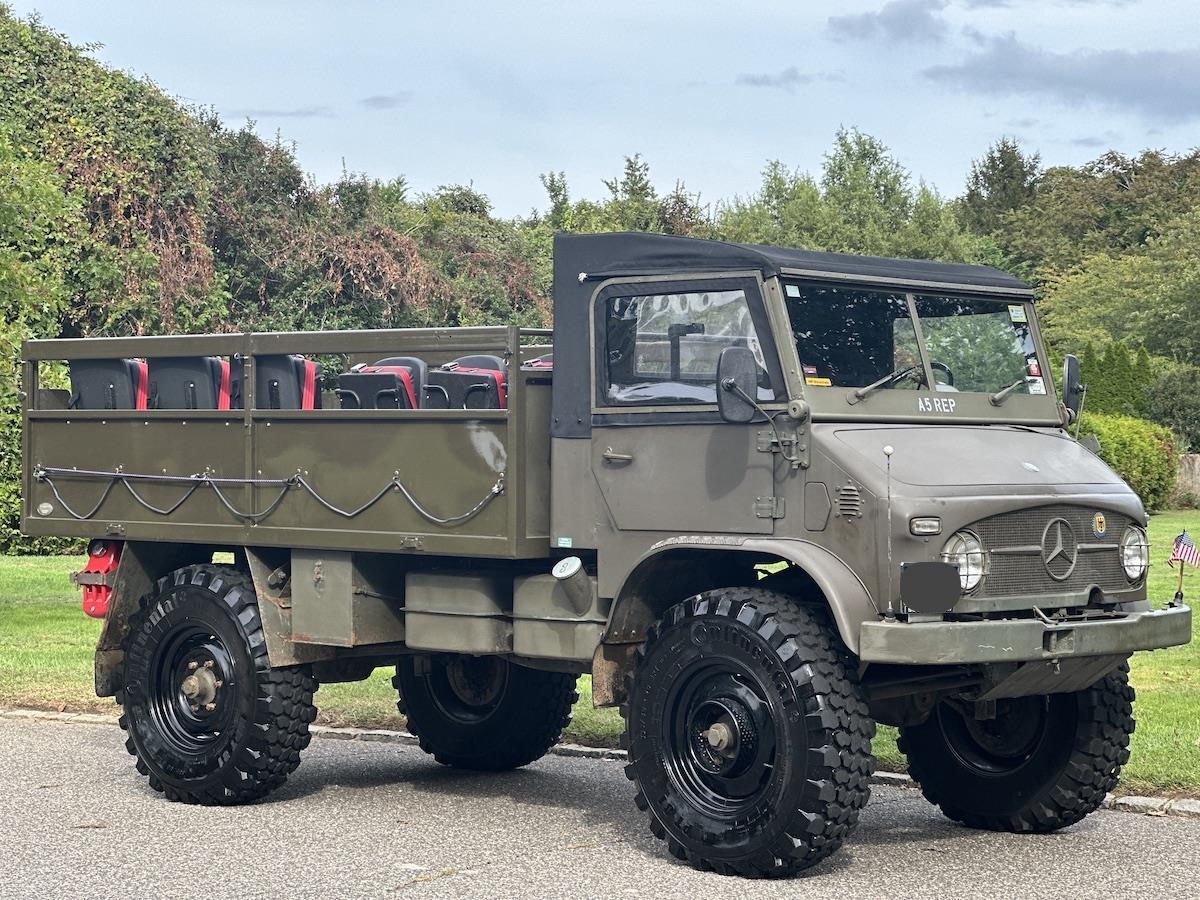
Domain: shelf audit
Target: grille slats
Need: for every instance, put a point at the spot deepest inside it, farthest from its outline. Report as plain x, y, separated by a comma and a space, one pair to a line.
1017, 573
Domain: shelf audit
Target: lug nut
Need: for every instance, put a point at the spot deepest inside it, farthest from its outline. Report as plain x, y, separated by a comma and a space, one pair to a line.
218, 683
193, 665
208, 664
210, 706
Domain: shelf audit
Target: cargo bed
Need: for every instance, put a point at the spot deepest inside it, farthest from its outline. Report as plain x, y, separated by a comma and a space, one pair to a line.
289, 477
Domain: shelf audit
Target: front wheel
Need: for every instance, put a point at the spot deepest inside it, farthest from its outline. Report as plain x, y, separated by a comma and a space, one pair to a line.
749, 737
208, 719
483, 712
1040, 764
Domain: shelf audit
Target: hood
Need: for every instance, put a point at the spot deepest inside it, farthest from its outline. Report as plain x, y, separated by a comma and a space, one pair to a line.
982, 455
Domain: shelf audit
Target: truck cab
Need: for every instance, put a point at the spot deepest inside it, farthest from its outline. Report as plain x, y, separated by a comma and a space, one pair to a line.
765, 497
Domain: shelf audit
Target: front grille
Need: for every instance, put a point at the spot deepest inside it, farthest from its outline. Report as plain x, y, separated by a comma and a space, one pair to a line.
1014, 544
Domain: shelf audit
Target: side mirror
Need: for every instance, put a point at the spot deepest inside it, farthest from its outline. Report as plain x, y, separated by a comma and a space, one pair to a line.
1072, 389
737, 379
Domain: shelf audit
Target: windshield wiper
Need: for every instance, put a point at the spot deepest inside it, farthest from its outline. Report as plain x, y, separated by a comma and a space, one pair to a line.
1001, 395
889, 378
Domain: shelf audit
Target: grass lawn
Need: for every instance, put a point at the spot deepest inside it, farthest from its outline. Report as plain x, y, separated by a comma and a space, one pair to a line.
46, 647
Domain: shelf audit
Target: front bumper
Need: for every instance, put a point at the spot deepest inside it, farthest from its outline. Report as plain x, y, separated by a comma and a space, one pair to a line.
1018, 640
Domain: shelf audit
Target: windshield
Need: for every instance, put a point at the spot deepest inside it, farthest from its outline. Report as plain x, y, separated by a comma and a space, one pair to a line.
855, 338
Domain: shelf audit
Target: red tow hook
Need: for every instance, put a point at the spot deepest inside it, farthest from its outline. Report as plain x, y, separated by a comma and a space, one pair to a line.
98, 575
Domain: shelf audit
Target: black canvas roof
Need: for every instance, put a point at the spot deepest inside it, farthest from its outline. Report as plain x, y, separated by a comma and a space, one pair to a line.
581, 261
634, 253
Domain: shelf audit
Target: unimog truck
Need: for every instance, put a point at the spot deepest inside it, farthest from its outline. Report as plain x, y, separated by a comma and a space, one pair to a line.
767, 498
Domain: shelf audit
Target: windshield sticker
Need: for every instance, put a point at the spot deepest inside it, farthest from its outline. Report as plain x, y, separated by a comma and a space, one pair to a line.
935, 404
810, 370
1035, 385
817, 382
792, 290
1016, 315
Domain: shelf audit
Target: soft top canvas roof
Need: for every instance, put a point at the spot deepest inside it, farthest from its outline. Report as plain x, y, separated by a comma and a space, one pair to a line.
582, 261
623, 253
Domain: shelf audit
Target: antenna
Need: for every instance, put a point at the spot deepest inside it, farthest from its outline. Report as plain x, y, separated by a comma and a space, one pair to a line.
888, 450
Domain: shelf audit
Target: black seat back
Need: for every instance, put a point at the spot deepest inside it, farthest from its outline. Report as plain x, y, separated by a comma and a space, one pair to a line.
189, 382
418, 373
108, 384
470, 382
287, 382
376, 387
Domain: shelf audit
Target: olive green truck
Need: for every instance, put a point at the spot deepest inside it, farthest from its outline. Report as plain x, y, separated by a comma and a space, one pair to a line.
765, 497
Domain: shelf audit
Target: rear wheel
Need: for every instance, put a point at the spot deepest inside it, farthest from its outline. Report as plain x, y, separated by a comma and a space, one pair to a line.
1041, 764
749, 737
483, 712
208, 719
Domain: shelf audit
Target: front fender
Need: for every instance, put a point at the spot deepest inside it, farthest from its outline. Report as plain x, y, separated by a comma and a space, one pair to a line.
849, 600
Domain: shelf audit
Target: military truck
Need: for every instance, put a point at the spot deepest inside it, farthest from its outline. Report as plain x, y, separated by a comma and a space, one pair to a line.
767, 498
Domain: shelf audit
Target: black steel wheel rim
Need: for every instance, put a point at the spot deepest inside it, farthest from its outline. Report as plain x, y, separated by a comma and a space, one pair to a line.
469, 689
191, 723
719, 739
998, 746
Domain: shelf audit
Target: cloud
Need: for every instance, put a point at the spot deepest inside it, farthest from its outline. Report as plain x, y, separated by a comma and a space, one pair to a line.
1005, 4
898, 20
787, 80
1096, 141
1156, 84
386, 101
297, 112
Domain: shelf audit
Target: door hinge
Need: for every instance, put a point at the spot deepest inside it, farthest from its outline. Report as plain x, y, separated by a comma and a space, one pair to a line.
769, 507
792, 446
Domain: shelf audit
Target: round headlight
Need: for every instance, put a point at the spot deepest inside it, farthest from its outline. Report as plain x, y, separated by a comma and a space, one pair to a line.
964, 551
1135, 553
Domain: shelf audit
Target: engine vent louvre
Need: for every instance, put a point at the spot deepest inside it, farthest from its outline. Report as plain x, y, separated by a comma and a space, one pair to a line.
849, 502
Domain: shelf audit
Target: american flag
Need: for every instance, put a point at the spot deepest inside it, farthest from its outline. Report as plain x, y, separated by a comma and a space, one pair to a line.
1184, 551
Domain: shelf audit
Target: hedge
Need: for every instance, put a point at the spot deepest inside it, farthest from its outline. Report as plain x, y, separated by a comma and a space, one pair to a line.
1144, 454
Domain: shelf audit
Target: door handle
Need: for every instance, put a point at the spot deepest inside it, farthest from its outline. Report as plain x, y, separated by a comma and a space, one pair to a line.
612, 456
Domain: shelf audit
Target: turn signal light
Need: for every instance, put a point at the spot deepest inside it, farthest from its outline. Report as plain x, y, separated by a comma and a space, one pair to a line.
924, 526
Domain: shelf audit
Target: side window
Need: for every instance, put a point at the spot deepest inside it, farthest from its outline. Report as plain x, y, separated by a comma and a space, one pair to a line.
663, 348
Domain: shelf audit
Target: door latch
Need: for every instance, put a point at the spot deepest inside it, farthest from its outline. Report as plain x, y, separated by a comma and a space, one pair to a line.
792, 446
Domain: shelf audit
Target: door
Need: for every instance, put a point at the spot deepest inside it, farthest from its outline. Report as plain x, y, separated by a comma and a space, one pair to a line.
662, 456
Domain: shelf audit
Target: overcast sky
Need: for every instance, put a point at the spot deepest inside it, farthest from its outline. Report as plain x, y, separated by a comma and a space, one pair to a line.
496, 93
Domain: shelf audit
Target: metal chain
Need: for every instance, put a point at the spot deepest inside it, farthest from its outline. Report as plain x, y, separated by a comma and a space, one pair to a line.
195, 482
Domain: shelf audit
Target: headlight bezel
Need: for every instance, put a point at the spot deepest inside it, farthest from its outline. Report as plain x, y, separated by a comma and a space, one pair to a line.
1140, 543
965, 544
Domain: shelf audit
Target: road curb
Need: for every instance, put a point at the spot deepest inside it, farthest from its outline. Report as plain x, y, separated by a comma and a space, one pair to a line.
1147, 806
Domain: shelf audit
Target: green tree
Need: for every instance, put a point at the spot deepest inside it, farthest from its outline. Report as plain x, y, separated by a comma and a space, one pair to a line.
1004, 180
39, 222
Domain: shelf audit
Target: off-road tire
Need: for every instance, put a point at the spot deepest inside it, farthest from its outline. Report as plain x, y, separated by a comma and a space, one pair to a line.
263, 713
817, 779
516, 727
1063, 777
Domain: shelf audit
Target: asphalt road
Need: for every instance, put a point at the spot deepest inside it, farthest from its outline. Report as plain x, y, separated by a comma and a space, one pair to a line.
367, 819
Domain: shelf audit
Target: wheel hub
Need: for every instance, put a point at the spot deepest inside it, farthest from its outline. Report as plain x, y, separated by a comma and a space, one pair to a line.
995, 746
722, 734
193, 688
201, 686
722, 742
469, 688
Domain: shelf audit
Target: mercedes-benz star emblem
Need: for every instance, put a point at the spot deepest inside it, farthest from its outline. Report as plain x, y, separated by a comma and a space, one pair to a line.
1060, 549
